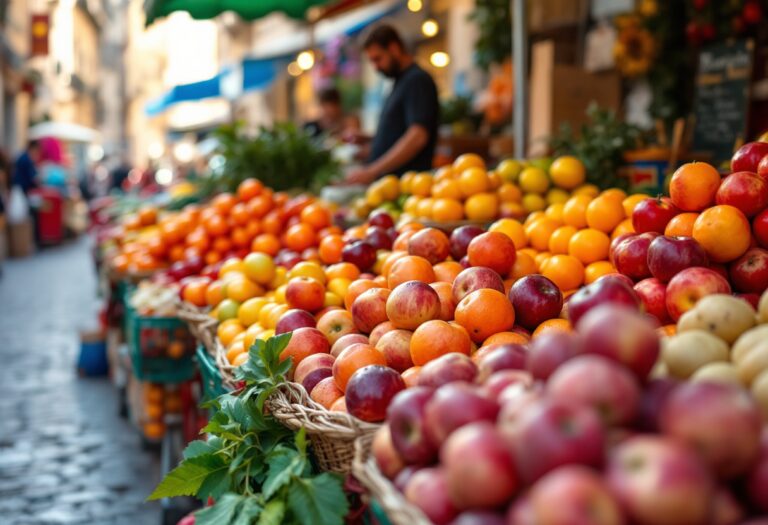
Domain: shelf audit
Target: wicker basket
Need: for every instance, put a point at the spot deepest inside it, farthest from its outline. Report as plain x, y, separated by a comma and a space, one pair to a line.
398, 510
202, 325
333, 434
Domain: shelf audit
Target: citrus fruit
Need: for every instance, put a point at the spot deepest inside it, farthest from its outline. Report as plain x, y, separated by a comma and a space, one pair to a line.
485, 312
693, 186
558, 241
604, 213
512, 229
473, 181
435, 338
533, 180
567, 172
575, 211
482, 207
589, 246
509, 169
724, 233
533, 202
566, 271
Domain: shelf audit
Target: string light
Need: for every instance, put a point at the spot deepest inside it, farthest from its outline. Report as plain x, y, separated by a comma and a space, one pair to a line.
439, 59
293, 69
430, 27
415, 5
305, 60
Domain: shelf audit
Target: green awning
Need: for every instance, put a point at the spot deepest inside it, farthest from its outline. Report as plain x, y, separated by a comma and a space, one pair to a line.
246, 9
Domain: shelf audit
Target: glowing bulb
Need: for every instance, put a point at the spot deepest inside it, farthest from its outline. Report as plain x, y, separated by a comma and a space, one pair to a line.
184, 152
156, 150
293, 69
164, 176
415, 5
439, 59
430, 27
305, 60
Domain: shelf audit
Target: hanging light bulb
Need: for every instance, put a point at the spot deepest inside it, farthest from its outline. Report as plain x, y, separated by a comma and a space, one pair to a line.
415, 5
305, 60
294, 70
430, 27
439, 59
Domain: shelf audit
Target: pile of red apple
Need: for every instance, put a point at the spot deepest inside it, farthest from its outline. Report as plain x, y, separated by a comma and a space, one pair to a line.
572, 429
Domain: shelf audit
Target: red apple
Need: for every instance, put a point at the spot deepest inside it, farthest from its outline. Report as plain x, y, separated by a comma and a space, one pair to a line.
502, 356
757, 481
752, 298
448, 368
378, 332
325, 392
600, 383
347, 340
749, 273
614, 243
653, 294
659, 481
690, 285
430, 243
623, 335
387, 459
550, 350
428, 490
378, 237
605, 290
310, 363
479, 517
405, 475
382, 219
287, 258
631, 256
745, 191
370, 309
473, 279
668, 256
335, 324
760, 228
535, 299
411, 304
479, 468
406, 418
293, 319
720, 421
547, 435
652, 399
520, 512
653, 215
748, 157
305, 293
460, 239
304, 342
455, 405
369, 391
762, 168
312, 378
499, 381
359, 253
726, 509
447, 304
396, 347
581, 495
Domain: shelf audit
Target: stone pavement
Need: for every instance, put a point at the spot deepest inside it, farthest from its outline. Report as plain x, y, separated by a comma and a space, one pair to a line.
66, 457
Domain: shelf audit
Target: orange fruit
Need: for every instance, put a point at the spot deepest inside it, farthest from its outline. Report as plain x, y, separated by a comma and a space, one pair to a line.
390, 259
596, 270
195, 292
425, 207
411, 376
512, 229
273, 222
330, 249
308, 269
447, 189
300, 237
343, 270
681, 225
506, 338
447, 209
232, 265
259, 206
589, 246
248, 313
575, 211
241, 289
693, 186
466, 161
482, 207
566, 271
239, 214
552, 325
441, 174
539, 232
509, 192
215, 293
524, 265
223, 203
555, 212
316, 216
568, 172
353, 358
623, 227
605, 213
447, 271
147, 215
410, 268
630, 202
540, 259
493, 250
248, 189
485, 312
356, 288
266, 243
216, 225
558, 241
228, 330
473, 181
615, 194
235, 350
435, 338
724, 233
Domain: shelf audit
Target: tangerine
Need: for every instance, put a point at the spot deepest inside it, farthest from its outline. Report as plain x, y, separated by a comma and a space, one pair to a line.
539, 233
605, 213
566, 271
410, 268
352, 359
558, 241
435, 338
724, 233
552, 325
589, 246
485, 312
681, 225
493, 250
693, 186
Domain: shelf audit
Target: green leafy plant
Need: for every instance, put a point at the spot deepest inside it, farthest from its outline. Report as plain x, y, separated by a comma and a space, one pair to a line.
494, 41
283, 157
600, 145
256, 470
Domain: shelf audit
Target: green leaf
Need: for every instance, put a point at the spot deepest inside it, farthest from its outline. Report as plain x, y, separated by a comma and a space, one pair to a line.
301, 441
318, 501
214, 485
249, 511
222, 512
283, 465
186, 479
198, 448
273, 513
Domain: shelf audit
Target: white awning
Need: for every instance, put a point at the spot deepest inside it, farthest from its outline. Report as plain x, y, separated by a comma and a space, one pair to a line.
64, 131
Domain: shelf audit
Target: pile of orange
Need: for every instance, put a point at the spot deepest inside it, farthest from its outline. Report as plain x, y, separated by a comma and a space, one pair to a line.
253, 219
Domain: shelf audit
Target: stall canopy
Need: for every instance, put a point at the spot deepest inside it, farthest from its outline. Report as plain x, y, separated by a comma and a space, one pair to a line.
64, 131
246, 9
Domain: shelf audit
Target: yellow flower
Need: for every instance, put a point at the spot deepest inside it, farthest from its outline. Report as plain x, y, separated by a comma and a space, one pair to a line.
634, 50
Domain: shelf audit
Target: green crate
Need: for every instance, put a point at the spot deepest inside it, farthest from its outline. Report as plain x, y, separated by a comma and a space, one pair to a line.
212, 387
148, 340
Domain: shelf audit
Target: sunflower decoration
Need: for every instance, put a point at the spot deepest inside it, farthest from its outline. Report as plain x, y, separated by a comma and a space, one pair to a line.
634, 49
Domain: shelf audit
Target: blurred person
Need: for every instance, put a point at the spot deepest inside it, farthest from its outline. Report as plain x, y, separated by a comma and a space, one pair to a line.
407, 132
331, 120
25, 167
53, 172
119, 175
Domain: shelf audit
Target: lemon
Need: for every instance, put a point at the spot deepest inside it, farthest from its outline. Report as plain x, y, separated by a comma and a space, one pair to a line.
509, 169
557, 196
405, 181
534, 180
533, 202
390, 187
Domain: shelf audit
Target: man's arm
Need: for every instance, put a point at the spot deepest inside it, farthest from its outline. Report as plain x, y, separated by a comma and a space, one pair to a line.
408, 146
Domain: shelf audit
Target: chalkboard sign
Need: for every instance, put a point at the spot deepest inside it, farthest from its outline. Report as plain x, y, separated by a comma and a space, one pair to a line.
722, 98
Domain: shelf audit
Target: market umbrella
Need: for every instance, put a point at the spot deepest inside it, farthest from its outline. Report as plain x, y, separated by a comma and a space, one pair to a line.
64, 131
246, 9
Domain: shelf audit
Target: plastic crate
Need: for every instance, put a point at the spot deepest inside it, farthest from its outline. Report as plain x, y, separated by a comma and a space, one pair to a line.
149, 341
209, 373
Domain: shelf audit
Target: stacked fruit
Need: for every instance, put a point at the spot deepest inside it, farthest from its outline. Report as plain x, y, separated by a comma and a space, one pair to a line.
467, 190
571, 429
157, 401
254, 219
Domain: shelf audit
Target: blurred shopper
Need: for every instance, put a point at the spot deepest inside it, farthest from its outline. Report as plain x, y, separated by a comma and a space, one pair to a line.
25, 168
407, 133
331, 120
119, 175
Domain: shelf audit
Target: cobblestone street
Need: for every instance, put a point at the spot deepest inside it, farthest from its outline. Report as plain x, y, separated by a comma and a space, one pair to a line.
65, 454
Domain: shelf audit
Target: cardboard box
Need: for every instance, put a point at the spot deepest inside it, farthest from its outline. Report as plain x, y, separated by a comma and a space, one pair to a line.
549, 14
21, 241
561, 93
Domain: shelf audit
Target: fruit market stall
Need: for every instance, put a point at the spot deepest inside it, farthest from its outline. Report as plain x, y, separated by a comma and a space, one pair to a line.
333, 361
